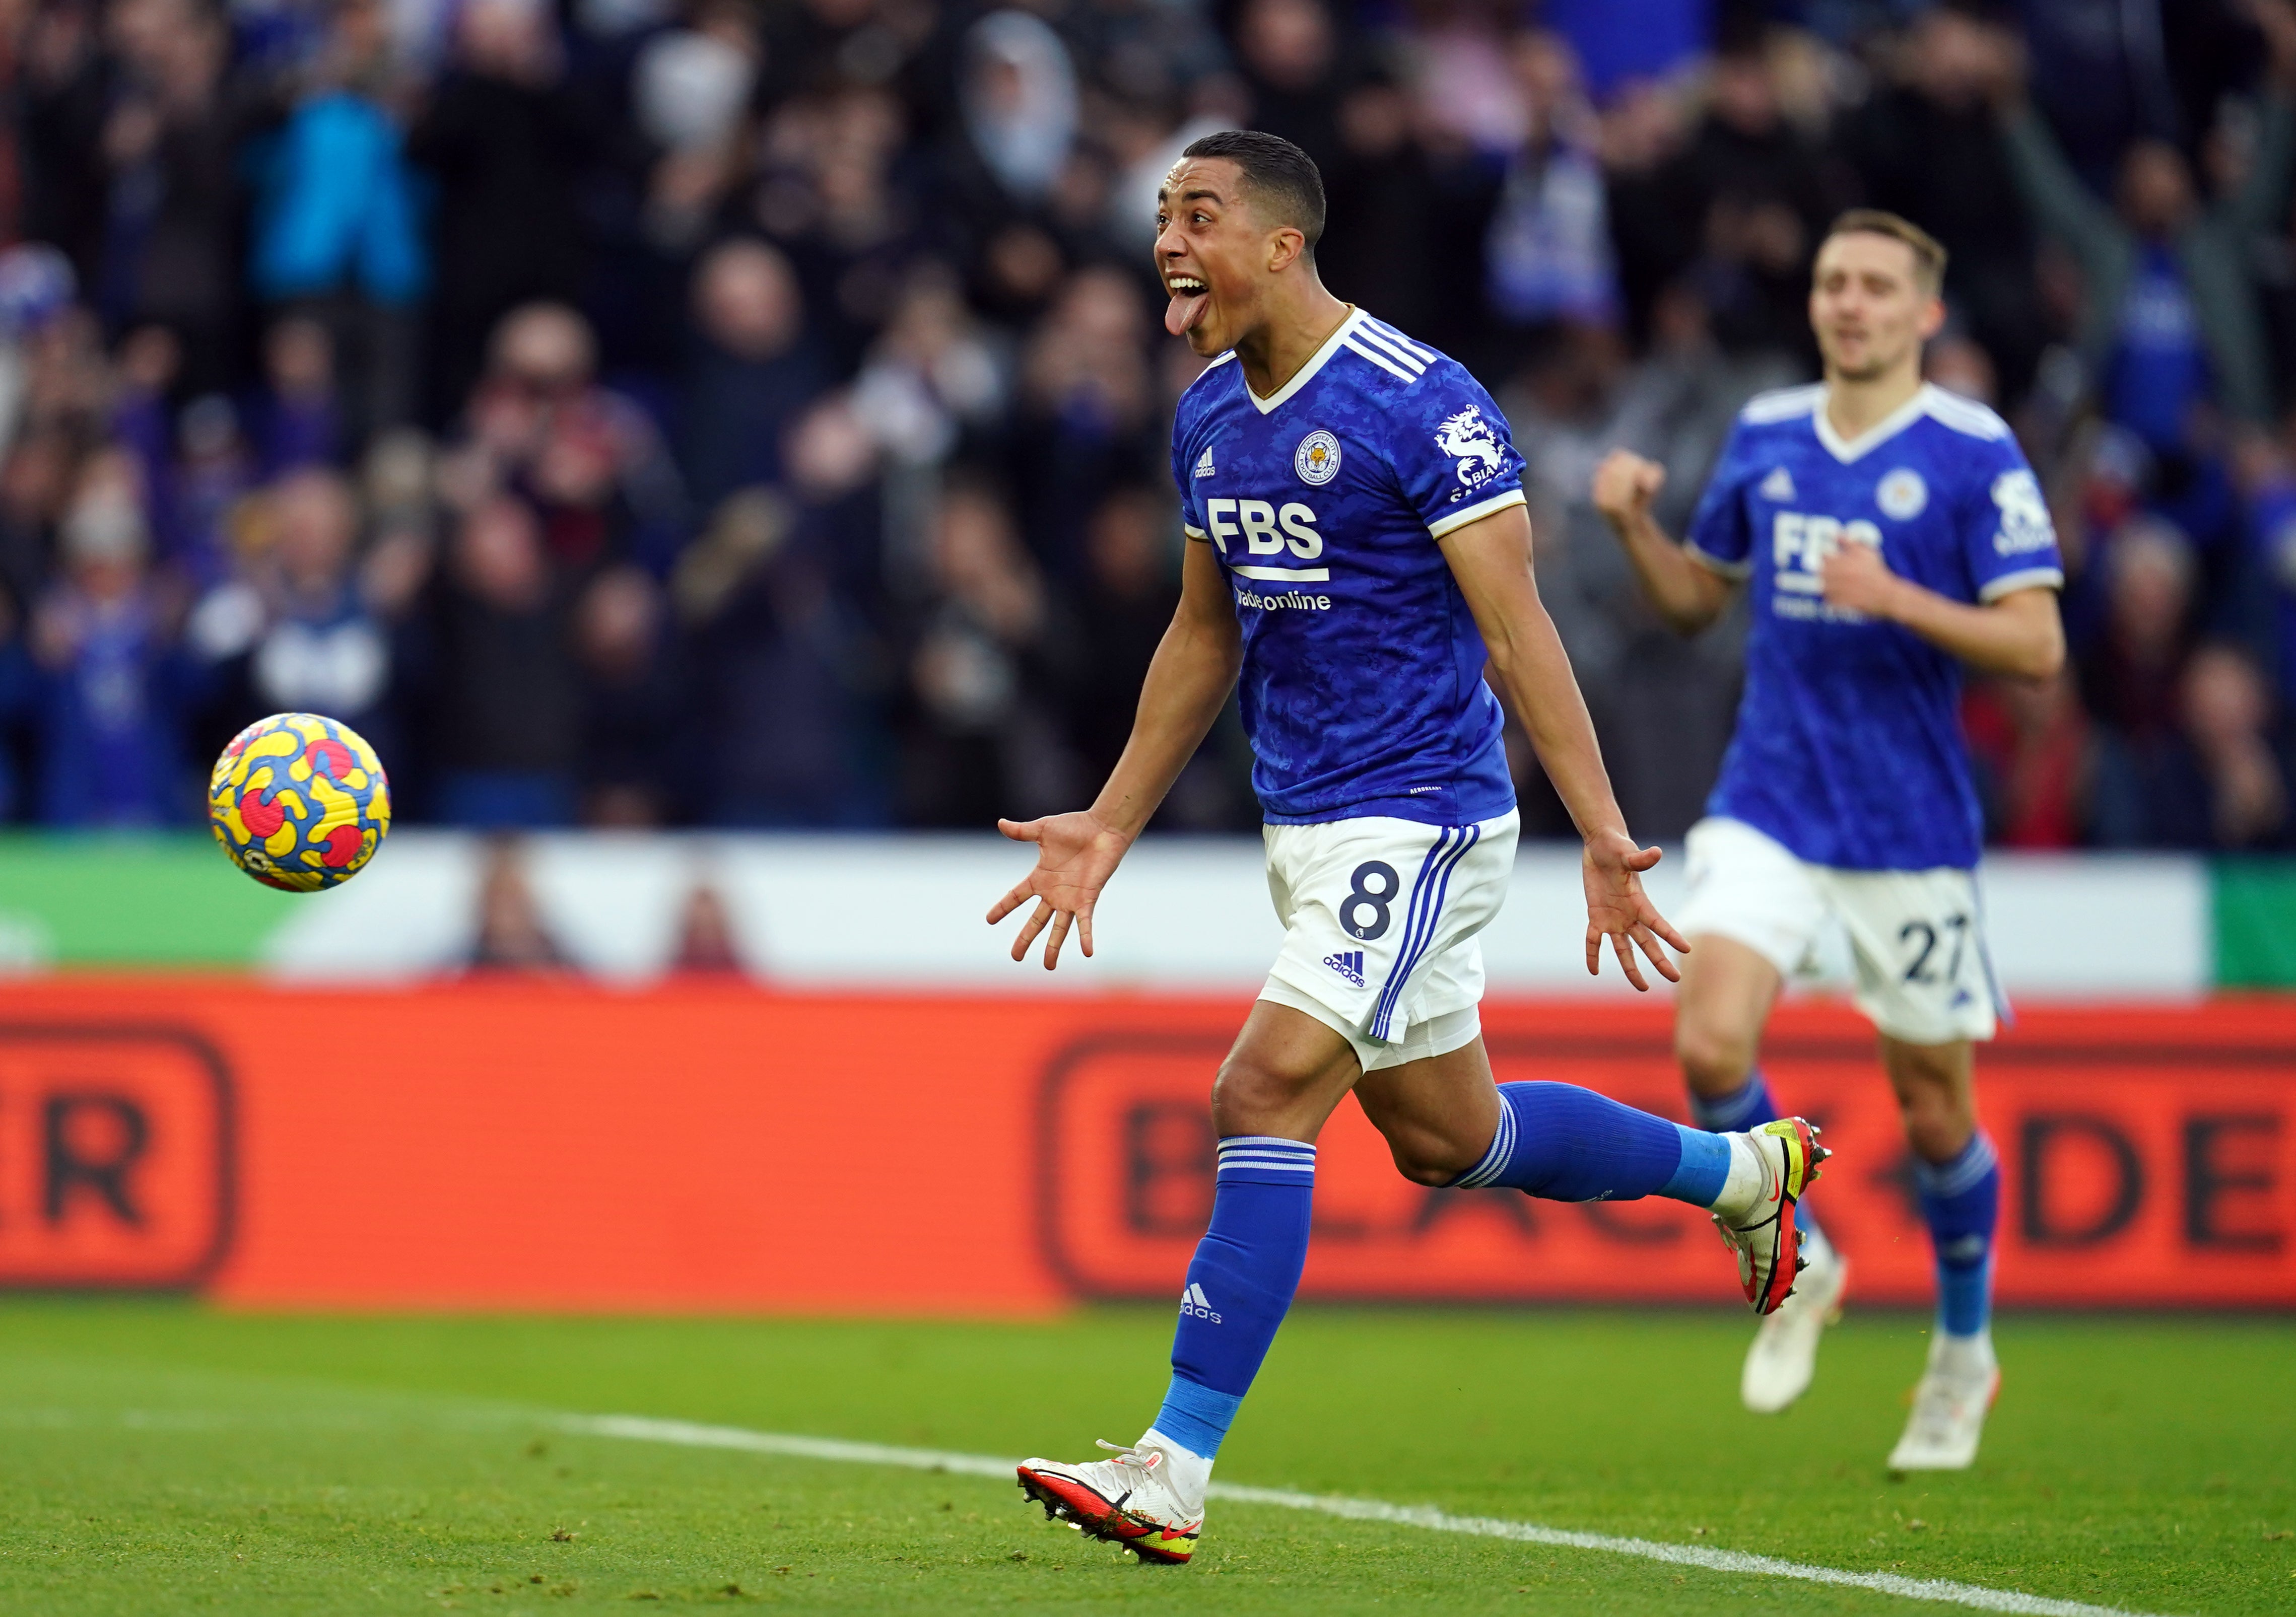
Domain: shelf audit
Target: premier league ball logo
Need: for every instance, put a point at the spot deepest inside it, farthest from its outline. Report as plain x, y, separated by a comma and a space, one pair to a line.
299, 802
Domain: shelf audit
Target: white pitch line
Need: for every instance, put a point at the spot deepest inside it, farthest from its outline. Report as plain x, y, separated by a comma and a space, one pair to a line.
642, 1428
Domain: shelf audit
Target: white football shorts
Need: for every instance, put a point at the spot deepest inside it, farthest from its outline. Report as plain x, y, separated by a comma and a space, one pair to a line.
1916, 937
1380, 917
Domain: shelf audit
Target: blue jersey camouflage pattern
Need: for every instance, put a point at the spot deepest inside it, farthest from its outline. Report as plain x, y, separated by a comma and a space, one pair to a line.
1362, 688
1848, 748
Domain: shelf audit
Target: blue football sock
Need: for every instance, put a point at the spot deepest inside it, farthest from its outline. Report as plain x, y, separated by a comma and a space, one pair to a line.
1240, 1285
1747, 1106
1570, 1145
1961, 1203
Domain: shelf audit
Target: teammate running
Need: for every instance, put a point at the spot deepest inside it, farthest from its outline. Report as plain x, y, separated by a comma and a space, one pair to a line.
1359, 550
1889, 533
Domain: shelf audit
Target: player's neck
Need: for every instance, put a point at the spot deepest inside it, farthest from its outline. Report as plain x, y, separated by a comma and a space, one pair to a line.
1301, 317
1856, 405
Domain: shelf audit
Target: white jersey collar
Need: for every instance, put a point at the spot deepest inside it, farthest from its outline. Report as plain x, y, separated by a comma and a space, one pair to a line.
1846, 450
1306, 374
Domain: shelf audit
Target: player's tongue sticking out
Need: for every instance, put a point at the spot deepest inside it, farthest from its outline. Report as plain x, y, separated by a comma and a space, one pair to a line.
1187, 309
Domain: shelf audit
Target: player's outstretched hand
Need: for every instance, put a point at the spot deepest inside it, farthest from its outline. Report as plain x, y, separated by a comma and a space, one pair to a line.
1625, 485
1075, 854
1617, 909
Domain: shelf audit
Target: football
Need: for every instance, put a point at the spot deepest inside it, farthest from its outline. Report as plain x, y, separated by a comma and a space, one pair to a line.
299, 802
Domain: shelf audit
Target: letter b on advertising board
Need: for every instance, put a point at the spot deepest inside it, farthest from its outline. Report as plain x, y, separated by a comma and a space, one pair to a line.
115, 1157
2145, 1166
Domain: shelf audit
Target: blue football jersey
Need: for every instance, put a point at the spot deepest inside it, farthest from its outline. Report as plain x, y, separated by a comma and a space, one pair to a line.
1848, 748
1362, 688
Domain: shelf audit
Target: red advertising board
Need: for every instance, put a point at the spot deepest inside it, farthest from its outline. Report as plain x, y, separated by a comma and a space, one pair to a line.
547, 1145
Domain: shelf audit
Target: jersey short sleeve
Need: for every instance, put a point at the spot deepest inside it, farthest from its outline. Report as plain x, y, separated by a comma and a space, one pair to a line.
1452, 451
1721, 534
2006, 533
1192, 519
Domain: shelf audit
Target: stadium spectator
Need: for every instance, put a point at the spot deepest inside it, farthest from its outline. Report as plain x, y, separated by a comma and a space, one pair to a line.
588, 457
2035, 754
505, 709
510, 933
1130, 589
706, 945
1760, 191
1087, 416
171, 145
631, 711
295, 418
1549, 247
2171, 323
782, 729
504, 142
114, 687
293, 633
753, 371
337, 230
2213, 782
1295, 68
1926, 144
981, 674
2151, 575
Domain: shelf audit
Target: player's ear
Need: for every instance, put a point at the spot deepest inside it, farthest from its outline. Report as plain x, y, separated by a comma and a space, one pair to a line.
1285, 247
1933, 316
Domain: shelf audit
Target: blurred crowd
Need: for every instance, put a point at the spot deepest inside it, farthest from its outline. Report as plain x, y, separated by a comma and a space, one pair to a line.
755, 412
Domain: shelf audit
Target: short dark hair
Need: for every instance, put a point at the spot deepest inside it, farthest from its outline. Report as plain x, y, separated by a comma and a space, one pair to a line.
1928, 252
1280, 179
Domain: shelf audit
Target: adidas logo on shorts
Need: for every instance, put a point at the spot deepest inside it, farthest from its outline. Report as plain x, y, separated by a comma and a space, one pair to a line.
1349, 964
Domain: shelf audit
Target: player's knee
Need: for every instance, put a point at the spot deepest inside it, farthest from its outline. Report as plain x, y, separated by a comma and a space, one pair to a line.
1252, 1097
1715, 1059
1427, 1159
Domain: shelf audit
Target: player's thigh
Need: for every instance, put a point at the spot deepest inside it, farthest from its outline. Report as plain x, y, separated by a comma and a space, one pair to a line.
1936, 1087
1727, 994
1433, 1098
1917, 939
1751, 912
1282, 1076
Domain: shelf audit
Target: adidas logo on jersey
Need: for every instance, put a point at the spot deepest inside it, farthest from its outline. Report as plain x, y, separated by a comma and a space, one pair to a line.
1204, 462
1193, 1302
1349, 964
1778, 486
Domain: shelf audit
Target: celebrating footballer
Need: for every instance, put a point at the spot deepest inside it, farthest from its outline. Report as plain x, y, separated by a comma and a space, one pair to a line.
1886, 533
1360, 554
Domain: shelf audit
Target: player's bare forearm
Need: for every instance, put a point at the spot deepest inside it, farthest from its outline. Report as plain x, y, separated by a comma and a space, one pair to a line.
1491, 561
1686, 594
1188, 681
2020, 635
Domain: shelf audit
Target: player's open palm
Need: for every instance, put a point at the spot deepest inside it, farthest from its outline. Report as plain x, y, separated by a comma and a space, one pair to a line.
1617, 909
1075, 854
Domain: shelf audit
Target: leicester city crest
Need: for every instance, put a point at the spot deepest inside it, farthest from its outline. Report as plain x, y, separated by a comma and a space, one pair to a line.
1317, 458
1902, 494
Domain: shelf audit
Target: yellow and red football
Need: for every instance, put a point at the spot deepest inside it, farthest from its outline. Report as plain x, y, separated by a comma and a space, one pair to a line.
299, 802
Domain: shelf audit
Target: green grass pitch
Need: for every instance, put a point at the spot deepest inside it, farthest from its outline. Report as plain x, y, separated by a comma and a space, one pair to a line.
158, 1458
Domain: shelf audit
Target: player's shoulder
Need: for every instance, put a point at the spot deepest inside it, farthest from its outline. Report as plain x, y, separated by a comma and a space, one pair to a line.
1962, 446
1777, 407
1214, 385
1964, 417
1405, 386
